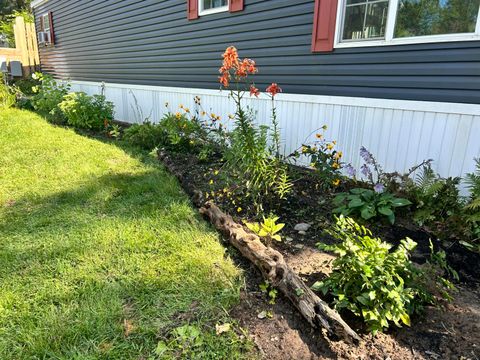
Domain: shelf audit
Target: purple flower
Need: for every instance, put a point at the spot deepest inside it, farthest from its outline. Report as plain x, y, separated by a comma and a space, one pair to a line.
379, 188
366, 155
366, 170
350, 170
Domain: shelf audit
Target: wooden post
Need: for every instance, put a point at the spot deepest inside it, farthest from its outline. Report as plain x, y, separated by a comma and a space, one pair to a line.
21, 44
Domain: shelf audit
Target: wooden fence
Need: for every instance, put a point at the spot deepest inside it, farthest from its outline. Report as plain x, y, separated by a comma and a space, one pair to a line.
26, 50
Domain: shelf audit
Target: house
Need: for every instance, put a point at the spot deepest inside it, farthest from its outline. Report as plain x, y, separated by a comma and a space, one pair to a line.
400, 77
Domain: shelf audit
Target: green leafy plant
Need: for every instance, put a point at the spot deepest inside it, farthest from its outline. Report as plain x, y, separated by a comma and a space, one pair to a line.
254, 163
270, 291
472, 208
268, 229
48, 95
87, 112
8, 96
146, 135
180, 133
368, 204
371, 279
323, 158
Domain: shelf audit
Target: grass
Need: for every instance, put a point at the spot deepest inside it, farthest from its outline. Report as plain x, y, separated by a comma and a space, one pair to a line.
101, 254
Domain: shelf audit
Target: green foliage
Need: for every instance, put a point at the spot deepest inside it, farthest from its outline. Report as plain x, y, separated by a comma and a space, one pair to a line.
6, 25
192, 342
261, 175
8, 96
270, 291
87, 112
180, 133
268, 229
322, 157
48, 95
368, 204
370, 279
146, 136
472, 208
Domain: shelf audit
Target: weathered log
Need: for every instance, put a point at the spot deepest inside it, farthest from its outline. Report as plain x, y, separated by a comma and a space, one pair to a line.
269, 261
274, 269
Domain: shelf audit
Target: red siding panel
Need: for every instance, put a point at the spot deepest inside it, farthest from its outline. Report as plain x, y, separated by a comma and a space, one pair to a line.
325, 16
192, 9
236, 5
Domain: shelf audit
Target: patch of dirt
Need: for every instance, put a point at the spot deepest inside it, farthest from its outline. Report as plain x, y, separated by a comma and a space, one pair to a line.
453, 333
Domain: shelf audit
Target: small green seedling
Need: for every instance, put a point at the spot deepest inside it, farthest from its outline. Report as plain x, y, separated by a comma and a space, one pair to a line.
268, 230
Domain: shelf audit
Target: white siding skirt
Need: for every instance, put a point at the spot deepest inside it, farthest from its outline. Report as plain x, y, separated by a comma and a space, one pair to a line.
399, 133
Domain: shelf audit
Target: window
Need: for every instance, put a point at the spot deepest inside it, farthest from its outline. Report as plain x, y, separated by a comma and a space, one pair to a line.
387, 22
212, 6
46, 27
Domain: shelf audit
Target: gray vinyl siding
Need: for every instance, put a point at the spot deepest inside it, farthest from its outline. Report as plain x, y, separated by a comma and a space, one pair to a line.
151, 42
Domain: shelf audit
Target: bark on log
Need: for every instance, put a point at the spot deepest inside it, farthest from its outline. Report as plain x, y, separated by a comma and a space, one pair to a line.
279, 274
269, 261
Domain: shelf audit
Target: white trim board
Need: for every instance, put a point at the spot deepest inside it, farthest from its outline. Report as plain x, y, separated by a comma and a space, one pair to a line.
408, 105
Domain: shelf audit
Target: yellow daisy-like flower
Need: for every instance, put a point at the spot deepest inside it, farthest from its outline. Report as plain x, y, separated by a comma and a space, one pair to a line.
211, 182
230, 116
304, 149
239, 209
225, 190
336, 165
319, 136
314, 149
203, 113
336, 182
329, 146
213, 116
216, 172
187, 110
178, 115
181, 106
334, 142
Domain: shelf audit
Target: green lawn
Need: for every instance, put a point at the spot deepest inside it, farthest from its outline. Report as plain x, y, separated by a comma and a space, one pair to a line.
101, 254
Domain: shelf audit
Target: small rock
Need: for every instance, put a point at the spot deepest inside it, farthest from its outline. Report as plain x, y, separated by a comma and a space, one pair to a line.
299, 246
288, 239
262, 315
301, 232
302, 227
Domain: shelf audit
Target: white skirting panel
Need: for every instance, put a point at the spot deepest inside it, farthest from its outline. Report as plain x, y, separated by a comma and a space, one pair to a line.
399, 133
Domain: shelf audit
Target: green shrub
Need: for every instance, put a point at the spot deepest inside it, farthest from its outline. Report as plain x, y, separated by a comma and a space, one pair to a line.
181, 133
48, 95
146, 135
368, 203
374, 282
7, 96
87, 112
472, 208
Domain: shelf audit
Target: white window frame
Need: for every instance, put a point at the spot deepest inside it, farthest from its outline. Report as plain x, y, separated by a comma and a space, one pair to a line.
202, 11
389, 39
46, 16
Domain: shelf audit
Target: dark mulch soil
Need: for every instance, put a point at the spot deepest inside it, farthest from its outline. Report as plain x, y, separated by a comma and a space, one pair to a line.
452, 333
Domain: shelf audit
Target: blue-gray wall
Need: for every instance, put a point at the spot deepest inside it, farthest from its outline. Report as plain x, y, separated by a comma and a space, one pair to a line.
151, 42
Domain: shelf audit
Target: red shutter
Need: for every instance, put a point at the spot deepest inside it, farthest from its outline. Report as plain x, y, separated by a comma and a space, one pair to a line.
235, 5
325, 17
192, 9
52, 32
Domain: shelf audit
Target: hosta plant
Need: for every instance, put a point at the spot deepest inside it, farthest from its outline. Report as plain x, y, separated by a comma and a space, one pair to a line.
368, 203
371, 279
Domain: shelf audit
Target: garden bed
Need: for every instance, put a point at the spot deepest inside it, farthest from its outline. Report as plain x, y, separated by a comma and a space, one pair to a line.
283, 333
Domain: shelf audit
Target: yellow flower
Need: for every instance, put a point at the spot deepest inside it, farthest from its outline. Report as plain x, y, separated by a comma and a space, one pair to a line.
239, 209
319, 136
312, 165
192, 142
211, 182
304, 149
213, 116
314, 148
181, 106
334, 142
338, 155
225, 190
230, 116
329, 146
336, 165
336, 182
207, 195
203, 113
178, 115
216, 172
187, 110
